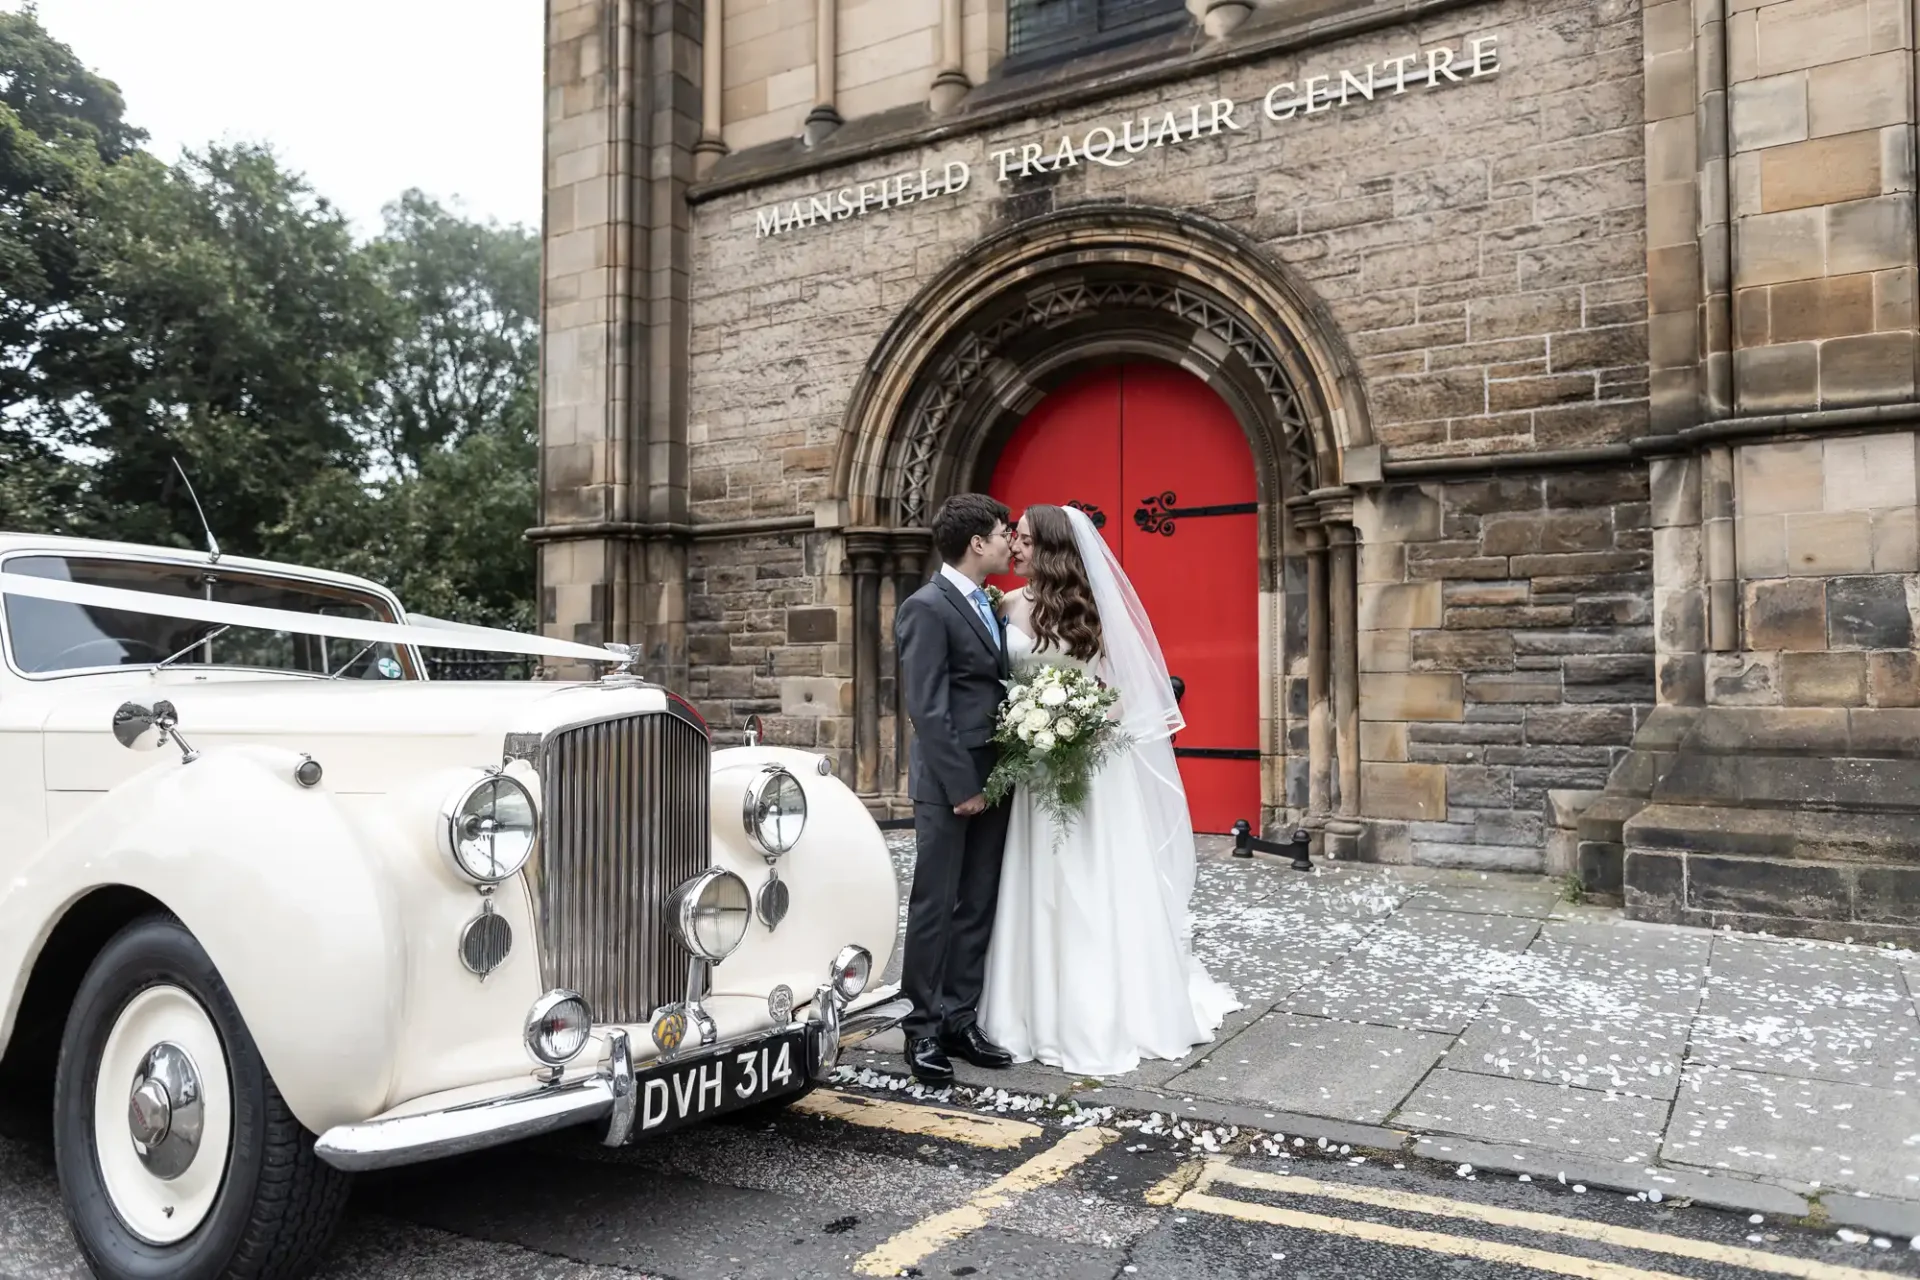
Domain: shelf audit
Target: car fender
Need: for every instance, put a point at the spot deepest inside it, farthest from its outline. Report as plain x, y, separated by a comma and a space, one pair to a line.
840, 877
279, 883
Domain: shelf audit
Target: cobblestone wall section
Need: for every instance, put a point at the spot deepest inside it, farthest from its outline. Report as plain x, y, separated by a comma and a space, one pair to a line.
1481, 249
1506, 651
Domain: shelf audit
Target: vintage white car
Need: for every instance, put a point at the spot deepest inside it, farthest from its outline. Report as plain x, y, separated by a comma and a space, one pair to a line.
276, 908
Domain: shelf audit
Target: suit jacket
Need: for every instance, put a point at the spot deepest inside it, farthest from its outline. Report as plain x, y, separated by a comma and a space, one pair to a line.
951, 669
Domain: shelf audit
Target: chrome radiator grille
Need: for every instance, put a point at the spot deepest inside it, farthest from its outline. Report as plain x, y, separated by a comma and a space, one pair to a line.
624, 824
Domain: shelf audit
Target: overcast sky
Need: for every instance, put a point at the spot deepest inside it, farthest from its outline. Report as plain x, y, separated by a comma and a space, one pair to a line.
366, 97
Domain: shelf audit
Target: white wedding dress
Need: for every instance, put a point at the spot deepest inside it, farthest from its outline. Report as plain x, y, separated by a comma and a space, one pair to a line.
1091, 966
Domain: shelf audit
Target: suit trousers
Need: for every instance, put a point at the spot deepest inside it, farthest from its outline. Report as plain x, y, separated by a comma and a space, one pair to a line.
956, 889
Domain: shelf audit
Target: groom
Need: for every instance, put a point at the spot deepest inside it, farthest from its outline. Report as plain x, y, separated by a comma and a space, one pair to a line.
952, 661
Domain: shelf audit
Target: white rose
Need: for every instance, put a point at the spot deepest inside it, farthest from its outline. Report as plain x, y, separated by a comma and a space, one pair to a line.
1052, 696
1026, 734
1035, 720
1065, 728
1043, 742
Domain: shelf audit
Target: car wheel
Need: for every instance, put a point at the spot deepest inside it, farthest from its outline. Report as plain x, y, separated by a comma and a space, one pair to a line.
761, 1112
177, 1156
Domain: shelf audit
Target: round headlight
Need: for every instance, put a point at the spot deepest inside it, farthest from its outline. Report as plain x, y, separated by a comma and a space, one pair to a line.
710, 913
489, 828
558, 1028
775, 811
851, 969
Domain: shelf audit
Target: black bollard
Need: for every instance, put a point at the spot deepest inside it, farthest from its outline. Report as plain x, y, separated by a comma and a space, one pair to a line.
1245, 842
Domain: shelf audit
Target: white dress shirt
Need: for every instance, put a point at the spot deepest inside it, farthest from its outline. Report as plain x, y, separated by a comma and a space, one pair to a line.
967, 588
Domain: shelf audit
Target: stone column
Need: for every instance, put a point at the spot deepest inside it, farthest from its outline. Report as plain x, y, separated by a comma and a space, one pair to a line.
613, 388
950, 84
712, 144
1342, 594
1723, 585
825, 116
1679, 581
866, 556
1319, 713
1675, 316
1223, 17
1715, 230
911, 550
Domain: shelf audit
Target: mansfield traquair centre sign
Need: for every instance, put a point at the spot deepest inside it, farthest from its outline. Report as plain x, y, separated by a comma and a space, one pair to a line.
1115, 146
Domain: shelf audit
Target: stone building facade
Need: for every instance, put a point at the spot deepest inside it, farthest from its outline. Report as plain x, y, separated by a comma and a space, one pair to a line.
1571, 346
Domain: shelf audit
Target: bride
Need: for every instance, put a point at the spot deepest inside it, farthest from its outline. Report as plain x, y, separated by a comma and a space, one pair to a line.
1091, 965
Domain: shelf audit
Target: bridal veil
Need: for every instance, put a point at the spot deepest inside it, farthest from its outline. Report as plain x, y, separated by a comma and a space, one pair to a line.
1149, 715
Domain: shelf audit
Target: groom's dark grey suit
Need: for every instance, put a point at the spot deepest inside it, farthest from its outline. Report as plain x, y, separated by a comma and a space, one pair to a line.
951, 668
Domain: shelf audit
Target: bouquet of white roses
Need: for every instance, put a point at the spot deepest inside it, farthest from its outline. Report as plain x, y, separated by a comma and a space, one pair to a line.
1053, 733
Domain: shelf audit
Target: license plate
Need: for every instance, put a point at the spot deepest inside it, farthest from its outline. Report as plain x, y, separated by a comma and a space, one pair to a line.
699, 1089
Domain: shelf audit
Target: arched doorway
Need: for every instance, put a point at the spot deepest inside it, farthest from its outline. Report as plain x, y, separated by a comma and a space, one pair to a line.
1161, 464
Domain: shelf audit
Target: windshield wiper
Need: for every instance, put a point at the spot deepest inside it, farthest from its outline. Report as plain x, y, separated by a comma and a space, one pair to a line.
205, 639
342, 668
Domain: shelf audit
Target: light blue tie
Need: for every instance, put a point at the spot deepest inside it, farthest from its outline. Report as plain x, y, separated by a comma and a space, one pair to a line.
986, 614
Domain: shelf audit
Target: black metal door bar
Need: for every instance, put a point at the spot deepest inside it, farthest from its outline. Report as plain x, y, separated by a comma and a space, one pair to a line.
1157, 513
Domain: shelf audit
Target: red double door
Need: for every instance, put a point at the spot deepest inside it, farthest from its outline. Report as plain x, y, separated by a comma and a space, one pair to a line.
1160, 464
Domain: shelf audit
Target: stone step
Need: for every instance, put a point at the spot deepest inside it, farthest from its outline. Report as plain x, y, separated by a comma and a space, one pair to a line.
1851, 902
1887, 838
1872, 783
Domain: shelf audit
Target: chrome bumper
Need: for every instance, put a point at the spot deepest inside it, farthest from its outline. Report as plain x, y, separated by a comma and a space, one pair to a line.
608, 1095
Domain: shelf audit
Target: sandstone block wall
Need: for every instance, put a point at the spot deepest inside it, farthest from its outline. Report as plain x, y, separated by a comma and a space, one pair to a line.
1827, 564
1506, 651
1481, 249
1820, 119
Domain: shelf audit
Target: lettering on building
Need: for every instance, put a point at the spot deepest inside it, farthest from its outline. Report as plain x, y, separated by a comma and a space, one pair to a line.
859, 201
1119, 144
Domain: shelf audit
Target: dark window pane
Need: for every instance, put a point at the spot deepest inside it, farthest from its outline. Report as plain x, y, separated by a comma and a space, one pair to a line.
51, 635
1047, 30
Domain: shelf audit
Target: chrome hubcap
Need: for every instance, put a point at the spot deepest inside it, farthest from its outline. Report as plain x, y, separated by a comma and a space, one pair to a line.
164, 1111
150, 1113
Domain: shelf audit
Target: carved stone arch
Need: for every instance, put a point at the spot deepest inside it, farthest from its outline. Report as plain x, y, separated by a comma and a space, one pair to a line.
1207, 297
1038, 303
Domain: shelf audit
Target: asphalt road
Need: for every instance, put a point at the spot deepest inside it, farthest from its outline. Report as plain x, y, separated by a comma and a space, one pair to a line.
857, 1186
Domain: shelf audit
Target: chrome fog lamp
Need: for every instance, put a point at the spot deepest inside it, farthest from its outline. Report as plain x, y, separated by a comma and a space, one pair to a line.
710, 914
851, 969
488, 828
558, 1028
775, 811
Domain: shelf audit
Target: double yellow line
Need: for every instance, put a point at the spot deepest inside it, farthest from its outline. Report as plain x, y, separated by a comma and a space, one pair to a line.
1219, 1171
1192, 1187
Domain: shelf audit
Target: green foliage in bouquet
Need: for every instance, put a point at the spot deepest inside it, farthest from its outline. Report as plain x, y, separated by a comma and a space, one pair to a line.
1053, 734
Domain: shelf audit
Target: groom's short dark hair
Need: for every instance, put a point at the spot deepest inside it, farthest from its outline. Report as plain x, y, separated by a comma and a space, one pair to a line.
961, 519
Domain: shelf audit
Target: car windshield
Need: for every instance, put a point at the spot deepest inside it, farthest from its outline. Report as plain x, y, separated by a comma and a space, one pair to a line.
48, 636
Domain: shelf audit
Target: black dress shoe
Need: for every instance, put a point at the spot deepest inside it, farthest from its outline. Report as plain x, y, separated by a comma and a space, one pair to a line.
928, 1061
972, 1045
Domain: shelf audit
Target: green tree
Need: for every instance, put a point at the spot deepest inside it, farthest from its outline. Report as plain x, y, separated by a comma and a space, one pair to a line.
467, 350
60, 127
232, 323
367, 407
451, 428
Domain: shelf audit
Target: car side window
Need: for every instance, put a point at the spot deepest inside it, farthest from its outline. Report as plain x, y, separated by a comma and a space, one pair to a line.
51, 636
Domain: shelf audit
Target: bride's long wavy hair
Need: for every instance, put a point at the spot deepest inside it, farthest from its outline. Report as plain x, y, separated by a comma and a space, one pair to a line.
1064, 615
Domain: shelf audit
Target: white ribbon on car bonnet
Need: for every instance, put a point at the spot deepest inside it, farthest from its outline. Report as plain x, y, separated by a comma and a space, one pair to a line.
426, 634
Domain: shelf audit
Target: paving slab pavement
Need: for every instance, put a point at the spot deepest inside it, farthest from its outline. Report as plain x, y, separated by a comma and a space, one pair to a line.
1487, 1011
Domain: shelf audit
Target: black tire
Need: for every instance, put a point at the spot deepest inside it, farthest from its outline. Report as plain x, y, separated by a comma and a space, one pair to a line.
764, 1112
278, 1202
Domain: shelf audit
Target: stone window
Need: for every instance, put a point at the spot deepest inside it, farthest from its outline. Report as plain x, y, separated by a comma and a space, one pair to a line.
1043, 31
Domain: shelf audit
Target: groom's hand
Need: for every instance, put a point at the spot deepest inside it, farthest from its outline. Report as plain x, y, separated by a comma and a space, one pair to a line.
967, 808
